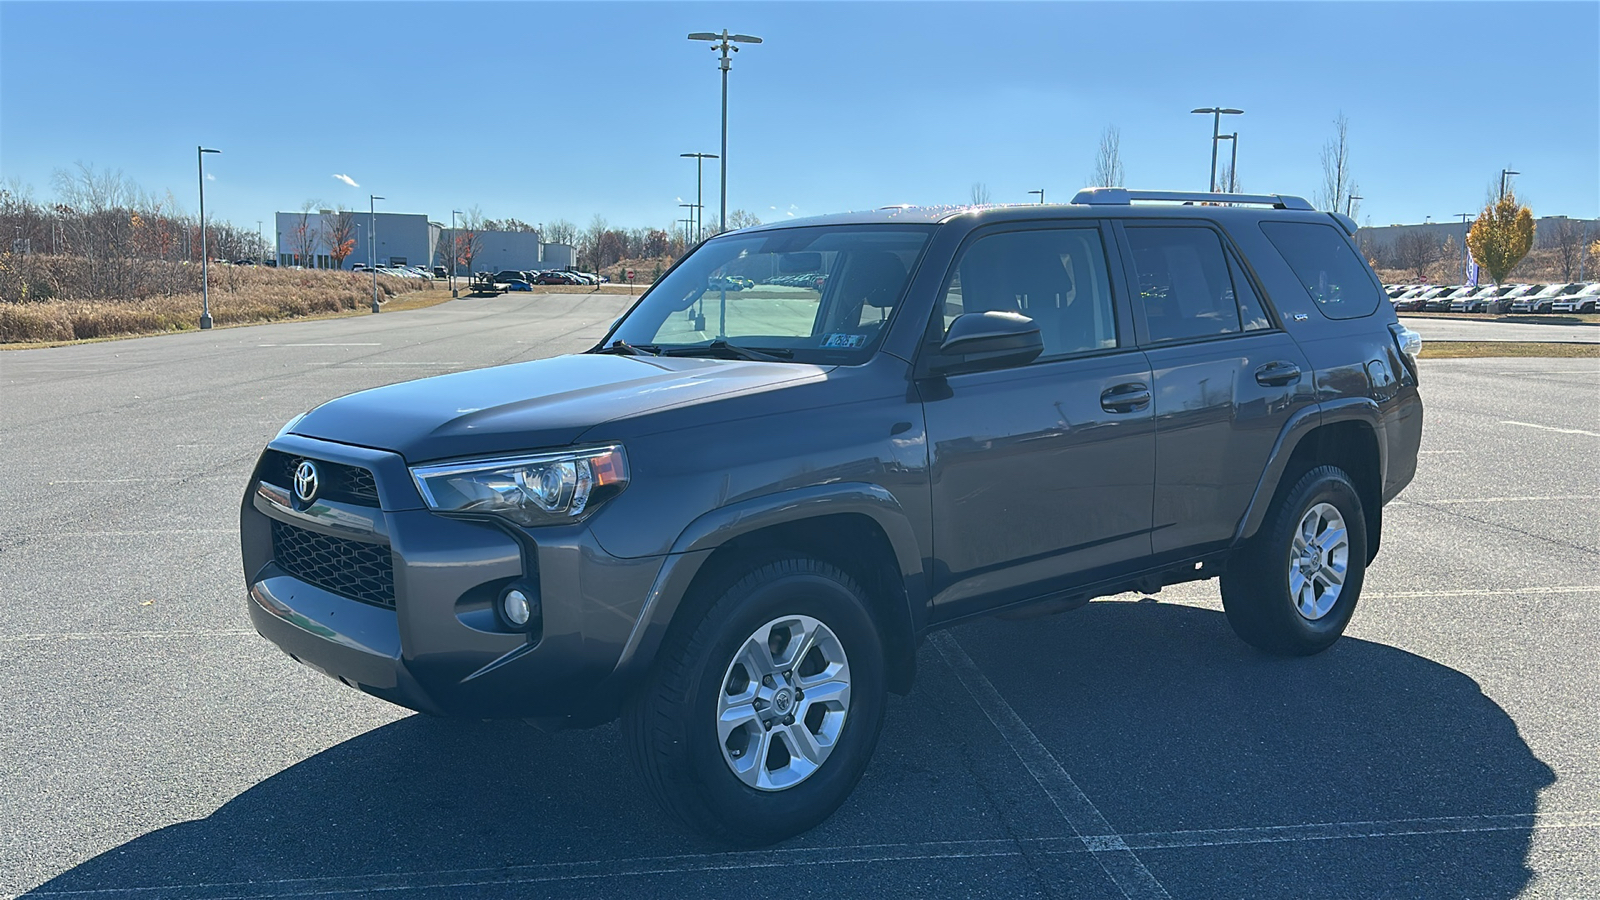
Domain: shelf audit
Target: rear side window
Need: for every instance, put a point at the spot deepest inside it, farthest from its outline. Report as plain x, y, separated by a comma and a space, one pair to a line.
1332, 274
1184, 286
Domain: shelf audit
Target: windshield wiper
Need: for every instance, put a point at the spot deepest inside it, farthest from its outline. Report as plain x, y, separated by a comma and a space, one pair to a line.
623, 348
721, 346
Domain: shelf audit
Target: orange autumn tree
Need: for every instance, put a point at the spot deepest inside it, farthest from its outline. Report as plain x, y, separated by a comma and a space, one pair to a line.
340, 233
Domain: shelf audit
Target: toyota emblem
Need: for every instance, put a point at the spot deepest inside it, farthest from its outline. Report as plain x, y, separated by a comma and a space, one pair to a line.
305, 481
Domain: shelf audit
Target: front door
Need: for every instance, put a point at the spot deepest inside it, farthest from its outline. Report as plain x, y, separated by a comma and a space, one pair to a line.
1041, 474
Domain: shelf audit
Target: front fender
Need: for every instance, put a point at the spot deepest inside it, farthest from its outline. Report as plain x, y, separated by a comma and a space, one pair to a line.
718, 526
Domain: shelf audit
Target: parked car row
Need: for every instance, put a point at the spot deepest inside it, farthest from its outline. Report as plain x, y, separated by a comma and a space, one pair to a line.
523, 280
1578, 296
395, 271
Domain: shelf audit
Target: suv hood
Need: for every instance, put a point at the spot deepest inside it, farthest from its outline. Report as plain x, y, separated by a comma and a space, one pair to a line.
532, 405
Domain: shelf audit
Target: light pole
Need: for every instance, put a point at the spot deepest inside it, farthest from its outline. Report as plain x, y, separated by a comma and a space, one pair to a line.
1233, 163
205, 284
1040, 192
261, 245
687, 224
1349, 203
1504, 174
693, 222
453, 253
1465, 230
699, 178
724, 42
1216, 112
372, 242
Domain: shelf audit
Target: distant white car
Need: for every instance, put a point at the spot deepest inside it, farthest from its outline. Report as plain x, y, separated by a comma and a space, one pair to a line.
1542, 300
1585, 299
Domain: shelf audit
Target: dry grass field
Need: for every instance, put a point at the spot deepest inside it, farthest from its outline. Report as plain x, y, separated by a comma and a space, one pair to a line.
239, 295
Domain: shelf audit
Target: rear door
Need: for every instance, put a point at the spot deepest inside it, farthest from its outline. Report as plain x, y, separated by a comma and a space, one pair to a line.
1227, 378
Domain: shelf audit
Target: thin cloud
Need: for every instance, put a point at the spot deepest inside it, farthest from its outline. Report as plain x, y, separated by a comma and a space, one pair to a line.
347, 180
210, 177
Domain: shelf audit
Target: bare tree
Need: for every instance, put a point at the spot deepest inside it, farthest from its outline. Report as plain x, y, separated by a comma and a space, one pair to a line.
980, 193
469, 238
1337, 185
741, 219
1228, 180
305, 234
1566, 237
561, 232
1416, 250
1108, 159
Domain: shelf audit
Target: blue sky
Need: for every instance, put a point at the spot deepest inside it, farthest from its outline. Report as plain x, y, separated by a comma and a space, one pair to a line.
544, 111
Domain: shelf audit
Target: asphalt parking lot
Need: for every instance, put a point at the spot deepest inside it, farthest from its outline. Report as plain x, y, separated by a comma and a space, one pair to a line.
152, 746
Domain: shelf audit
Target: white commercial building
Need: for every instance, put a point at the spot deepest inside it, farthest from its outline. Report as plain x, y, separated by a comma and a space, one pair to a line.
314, 239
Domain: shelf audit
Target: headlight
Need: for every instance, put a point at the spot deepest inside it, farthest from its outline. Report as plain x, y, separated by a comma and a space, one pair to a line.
530, 490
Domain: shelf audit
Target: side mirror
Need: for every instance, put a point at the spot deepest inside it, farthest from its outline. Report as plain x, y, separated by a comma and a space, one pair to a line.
981, 341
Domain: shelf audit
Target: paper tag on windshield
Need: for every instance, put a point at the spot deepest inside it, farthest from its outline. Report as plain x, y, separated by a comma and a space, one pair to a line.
844, 341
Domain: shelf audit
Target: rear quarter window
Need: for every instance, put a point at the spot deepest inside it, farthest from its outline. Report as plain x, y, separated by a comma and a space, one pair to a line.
1325, 265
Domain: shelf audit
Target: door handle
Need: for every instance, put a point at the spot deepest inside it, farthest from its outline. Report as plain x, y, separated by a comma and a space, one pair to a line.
1277, 374
1129, 397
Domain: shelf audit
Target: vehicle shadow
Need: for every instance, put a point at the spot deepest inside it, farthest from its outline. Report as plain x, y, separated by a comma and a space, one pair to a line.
1159, 714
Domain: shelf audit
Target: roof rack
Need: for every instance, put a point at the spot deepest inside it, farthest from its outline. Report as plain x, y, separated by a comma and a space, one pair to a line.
1111, 196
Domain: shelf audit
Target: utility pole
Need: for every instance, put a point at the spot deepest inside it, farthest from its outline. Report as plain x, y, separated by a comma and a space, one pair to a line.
725, 43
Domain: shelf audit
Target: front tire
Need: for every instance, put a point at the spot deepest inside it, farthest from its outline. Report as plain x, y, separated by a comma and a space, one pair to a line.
1294, 587
758, 719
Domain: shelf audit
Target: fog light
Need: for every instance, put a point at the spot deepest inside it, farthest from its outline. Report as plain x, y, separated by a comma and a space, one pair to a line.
516, 608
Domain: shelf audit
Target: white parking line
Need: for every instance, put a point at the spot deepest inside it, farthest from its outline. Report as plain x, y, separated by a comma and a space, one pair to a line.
442, 879
1452, 500
102, 635
1098, 837
1481, 592
372, 344
1551, 428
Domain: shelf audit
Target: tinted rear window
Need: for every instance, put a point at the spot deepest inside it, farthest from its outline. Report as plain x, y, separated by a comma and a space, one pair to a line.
1331, 273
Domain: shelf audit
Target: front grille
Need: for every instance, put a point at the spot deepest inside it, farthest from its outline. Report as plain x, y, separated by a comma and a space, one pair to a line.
353, 569
346, 484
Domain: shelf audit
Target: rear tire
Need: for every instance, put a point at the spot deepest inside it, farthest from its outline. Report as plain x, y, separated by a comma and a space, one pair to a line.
1294, 587
786, 659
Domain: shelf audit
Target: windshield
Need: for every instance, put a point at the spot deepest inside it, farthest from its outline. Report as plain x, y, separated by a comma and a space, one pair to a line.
821, 294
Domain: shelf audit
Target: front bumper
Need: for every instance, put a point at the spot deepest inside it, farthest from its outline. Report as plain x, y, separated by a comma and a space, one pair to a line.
440, 648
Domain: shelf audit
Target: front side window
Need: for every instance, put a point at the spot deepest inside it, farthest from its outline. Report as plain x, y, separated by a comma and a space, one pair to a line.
1056, 277
820, 294
1332, 274
1184, 286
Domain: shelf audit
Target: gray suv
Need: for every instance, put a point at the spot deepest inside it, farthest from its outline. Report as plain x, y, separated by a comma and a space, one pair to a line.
733, 521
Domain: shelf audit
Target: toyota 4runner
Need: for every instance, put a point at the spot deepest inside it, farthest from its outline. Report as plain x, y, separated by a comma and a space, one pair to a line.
733, 520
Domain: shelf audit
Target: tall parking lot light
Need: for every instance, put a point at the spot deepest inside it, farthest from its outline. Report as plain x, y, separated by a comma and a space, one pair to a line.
1216, 112
696, 220
1466, 230
1349, 203
205, 282
699, 179
1505, 174
1040, 192
724, 42
372, 243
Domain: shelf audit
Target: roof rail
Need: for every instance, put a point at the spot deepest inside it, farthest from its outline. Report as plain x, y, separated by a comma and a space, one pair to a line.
1111, 196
